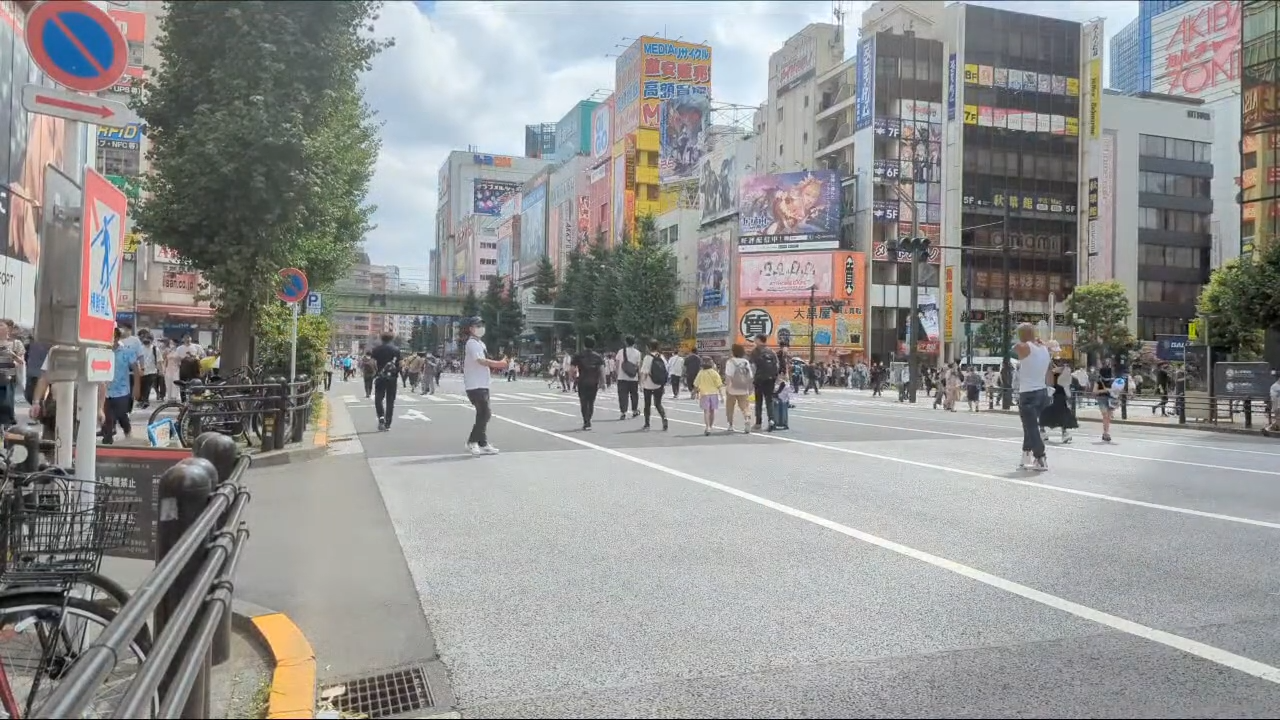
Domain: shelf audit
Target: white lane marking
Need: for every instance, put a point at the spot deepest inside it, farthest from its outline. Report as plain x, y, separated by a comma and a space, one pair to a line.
1068, 448
456, 398
415, 415
556, 412
350, 398
500, 396
1011, 481
435, 398
1126, 437
540, 396
1177, 642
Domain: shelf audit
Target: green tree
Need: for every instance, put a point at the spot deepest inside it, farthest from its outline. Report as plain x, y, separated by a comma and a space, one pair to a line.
272, 330
1101, 311
647, 283
503, 318
263, 163
417, 342
1232, 304
1265, 273
603, 266
576, 295
471, 305
545, 289
988, 335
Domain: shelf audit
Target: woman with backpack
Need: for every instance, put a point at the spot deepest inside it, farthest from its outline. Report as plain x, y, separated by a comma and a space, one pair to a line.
739, 382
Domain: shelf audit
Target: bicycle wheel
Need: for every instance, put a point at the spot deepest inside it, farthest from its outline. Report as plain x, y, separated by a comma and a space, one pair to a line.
93, 587
41, 636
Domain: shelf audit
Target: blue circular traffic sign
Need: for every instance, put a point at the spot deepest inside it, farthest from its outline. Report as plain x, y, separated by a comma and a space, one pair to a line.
76, 44
293, 287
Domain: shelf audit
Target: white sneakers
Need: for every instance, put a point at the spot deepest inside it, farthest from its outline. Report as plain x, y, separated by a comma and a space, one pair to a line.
1033, 463
475, 449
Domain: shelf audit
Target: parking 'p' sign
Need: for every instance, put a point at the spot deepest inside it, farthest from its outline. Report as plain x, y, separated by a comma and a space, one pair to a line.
76, 44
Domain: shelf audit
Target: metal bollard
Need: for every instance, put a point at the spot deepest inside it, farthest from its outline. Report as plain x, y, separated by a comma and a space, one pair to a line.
183, 493
222, 452
1248, 413
300, 416
1124, 406
282, 411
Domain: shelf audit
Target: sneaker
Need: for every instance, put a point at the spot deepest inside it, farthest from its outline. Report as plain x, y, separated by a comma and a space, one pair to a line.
586, 426
1066, 438
1026, 462
1106, 437
1044, 436
381, 425
1041, 464
470, 446
486, 450
747, 430
664, 425
623, 416
707, 433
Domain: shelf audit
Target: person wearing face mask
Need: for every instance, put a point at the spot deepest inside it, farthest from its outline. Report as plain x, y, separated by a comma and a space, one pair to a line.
476, 377
150, 359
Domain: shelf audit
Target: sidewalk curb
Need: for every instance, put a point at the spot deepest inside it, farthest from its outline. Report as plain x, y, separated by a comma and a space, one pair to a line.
293, 679
302, 453
1158, 426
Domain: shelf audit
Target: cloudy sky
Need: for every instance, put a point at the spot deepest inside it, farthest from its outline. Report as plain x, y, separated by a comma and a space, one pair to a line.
475, 73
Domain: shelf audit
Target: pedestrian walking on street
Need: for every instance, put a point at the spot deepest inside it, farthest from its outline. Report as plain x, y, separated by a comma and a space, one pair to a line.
675, 370
1059, 413
708, 384
589, 366
766, 363
628, 362
386, 358
368, 370
121, 391
1034, 376
477, 374
653, 378
692, 366
739, 381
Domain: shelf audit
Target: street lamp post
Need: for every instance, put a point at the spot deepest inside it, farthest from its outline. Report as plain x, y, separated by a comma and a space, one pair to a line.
1006, 366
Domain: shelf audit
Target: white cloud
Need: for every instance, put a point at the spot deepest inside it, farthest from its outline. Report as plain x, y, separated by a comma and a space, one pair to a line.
475, 73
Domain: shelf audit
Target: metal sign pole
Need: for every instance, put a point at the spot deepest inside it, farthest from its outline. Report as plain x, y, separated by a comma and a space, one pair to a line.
64, 396
293, 346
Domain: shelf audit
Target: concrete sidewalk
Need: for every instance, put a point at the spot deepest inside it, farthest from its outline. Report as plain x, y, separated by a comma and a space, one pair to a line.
323, 552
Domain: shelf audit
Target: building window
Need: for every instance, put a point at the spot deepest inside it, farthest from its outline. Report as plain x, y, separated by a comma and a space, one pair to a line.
1150, 327
1170, 256
806, 137
1174, 149
1182, 293
779, 113
1172, 220
653, 193
779, 149
806, 101
1170, 184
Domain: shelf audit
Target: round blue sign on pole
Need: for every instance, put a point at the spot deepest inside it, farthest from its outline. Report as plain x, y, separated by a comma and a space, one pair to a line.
76, 44
293, 285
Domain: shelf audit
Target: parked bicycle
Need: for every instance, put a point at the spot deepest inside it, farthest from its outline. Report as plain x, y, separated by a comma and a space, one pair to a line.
226, 405
54, 602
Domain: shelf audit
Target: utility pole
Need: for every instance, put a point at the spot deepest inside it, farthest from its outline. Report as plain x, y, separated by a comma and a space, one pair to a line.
968, 306
913, 358
1006, 366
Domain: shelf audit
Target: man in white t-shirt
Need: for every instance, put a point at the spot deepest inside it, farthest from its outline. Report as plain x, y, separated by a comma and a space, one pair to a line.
628, 364
476, 377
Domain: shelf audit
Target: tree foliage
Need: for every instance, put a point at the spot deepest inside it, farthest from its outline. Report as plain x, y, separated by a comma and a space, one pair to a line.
989, 334
1233, 303
545, 283
503, 318
647, 286
471, 305
273, 328
1101, 311
264, 162
626, 290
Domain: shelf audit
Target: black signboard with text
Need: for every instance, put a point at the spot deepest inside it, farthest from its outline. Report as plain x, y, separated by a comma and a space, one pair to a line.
1242, 379
138, 470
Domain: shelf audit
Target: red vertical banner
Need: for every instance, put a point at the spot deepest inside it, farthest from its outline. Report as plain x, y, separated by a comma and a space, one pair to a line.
133, 25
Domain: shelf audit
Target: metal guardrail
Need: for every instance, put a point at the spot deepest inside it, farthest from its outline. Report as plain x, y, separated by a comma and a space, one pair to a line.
200, 538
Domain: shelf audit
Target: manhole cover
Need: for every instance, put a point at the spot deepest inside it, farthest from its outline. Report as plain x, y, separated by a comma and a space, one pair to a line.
383, 695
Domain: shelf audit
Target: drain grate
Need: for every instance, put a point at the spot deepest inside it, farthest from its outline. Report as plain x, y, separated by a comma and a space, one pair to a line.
384, 695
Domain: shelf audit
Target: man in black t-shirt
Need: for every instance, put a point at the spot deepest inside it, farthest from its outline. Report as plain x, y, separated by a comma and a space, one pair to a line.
588, 367
387, 360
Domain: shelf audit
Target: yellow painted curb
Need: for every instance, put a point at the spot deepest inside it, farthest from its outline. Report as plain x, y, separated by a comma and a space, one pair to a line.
322, 427
293, 683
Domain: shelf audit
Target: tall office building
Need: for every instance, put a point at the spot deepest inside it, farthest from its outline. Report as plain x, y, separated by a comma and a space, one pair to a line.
1260, 127
1134, 56
797, 99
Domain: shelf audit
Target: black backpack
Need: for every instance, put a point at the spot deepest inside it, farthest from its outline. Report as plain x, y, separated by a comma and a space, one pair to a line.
767, 365
658, 370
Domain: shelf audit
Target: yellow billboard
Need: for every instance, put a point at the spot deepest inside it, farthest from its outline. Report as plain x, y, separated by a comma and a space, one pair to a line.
1095, 98
670, 69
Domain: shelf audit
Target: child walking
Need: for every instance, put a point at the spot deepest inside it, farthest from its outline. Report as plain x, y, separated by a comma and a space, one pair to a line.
708, 384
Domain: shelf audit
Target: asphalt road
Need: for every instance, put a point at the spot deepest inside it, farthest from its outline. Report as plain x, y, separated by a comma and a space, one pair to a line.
876, 560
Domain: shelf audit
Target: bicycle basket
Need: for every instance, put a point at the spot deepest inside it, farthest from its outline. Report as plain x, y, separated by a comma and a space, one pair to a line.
56, 528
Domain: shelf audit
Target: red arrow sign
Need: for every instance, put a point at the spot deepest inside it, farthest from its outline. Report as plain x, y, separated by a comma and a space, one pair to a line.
98, 109
100, 365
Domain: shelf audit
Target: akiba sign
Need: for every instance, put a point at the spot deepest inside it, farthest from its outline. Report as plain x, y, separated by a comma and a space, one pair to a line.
1197, 50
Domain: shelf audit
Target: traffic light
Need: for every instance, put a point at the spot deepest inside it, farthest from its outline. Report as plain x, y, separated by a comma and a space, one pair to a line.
917, 245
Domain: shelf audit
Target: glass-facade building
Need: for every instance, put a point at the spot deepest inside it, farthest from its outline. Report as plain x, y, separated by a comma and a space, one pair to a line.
1021, 156
1131, 51
908, 115
1259, 126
